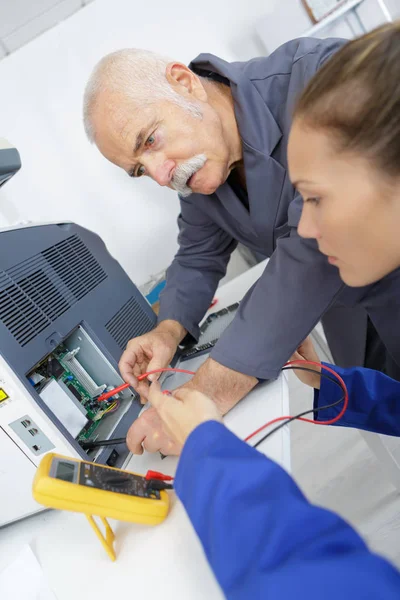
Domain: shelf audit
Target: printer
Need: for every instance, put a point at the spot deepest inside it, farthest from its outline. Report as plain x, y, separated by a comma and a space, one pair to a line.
67, 312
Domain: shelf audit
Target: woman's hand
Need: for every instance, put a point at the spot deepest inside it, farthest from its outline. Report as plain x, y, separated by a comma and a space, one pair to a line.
306, 351
182, 411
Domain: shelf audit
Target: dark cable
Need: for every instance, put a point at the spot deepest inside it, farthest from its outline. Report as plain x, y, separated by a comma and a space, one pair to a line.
95, 444
306, 412
321, 373
155, 485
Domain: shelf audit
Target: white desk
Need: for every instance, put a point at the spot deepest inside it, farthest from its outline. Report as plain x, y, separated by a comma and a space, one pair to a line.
165, 561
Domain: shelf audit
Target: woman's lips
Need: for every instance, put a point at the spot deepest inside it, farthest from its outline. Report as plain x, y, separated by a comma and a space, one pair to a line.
332, 260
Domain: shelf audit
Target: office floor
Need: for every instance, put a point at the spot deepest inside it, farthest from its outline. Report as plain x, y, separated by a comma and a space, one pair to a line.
335, 469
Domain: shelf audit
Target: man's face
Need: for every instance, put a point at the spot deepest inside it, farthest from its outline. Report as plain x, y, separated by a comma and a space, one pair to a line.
165, 142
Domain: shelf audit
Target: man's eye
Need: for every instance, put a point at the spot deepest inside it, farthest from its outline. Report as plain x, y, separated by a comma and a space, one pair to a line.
140, 171
313, 200
150, 140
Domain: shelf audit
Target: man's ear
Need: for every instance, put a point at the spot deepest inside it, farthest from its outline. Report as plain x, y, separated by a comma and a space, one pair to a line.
185, 82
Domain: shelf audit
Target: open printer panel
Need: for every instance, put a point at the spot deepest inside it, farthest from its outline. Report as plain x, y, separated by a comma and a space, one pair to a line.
70, 379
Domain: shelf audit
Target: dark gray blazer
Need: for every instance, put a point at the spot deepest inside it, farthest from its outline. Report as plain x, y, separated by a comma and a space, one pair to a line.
298, 285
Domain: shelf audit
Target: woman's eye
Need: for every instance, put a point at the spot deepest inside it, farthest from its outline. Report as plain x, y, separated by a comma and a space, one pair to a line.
141, 171
314, 200
150, 140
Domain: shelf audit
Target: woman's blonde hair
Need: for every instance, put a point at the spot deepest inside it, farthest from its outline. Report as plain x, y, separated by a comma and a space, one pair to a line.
356, 95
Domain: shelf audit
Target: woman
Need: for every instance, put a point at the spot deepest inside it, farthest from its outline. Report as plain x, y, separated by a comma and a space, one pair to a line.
262, 538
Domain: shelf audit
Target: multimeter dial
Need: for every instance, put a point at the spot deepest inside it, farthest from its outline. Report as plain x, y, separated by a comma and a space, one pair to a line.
111, 480
102, 478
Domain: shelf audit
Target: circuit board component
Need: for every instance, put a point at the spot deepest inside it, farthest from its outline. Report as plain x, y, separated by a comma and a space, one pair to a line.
63, 366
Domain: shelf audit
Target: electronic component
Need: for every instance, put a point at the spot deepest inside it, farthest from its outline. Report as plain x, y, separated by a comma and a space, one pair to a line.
74, 391
210, 331
216, 323
57, 399
112, 459
31, 435
198, 349
52, 369
56, 369
79, 486
86, 381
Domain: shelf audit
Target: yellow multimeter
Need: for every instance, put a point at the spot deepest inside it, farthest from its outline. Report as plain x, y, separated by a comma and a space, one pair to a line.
79, 486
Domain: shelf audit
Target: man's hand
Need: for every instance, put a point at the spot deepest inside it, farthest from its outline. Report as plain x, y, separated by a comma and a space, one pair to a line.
306, 351
225, 386
153, 350
148, 432
182, 411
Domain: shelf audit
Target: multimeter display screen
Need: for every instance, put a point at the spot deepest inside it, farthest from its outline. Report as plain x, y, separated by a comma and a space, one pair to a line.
65, 471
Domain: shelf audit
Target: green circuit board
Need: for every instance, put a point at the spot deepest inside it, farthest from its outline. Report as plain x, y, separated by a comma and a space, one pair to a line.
53, 367
86, 401
92, 412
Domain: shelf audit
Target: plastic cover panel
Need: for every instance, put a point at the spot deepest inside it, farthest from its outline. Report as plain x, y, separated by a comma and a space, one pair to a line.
38, 290
130, 321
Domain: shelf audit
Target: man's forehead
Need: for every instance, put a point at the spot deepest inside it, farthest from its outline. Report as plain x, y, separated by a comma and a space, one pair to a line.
120, 113
113, 135
123, 120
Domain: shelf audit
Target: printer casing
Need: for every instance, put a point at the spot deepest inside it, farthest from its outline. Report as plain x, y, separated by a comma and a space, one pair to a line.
59, 284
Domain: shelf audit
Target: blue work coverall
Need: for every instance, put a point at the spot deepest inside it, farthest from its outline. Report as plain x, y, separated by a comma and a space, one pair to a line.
261, 536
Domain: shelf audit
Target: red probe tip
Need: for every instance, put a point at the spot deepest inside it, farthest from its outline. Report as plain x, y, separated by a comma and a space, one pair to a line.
158, 475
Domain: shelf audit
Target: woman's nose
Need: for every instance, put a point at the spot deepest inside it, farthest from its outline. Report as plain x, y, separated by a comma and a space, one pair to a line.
307, 227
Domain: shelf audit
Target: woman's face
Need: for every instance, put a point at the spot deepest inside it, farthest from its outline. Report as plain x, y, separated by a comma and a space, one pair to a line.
349, 207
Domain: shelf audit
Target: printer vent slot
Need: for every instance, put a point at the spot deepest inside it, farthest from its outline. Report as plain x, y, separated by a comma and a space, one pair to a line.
130, 321
38, 290
22, 317
75, 265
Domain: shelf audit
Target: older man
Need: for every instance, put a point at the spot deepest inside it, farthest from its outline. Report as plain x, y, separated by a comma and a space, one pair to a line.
217, 133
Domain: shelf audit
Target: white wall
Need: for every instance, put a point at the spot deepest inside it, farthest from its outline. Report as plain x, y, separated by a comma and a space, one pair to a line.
63, 177
288, 19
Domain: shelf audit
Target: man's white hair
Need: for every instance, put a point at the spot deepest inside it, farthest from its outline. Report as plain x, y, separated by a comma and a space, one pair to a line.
138, 75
